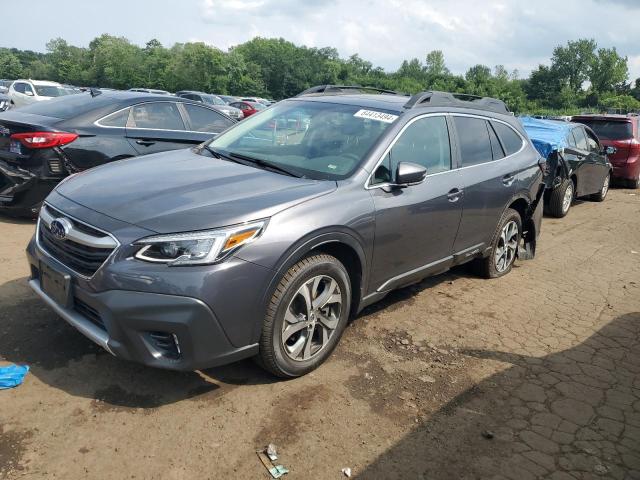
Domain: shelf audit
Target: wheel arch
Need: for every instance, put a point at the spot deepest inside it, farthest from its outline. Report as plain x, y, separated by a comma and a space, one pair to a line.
339, 243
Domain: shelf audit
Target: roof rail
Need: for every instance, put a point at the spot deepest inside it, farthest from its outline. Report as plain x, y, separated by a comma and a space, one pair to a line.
446, 99
342, 89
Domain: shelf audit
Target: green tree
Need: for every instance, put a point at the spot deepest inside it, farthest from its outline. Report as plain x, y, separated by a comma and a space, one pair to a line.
10, 66
573, 62
608, 71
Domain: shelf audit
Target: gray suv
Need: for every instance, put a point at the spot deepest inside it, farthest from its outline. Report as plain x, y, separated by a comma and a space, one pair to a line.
265, 240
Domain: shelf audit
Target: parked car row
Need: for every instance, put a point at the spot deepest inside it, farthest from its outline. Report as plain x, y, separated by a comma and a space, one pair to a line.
265, 239
42, 143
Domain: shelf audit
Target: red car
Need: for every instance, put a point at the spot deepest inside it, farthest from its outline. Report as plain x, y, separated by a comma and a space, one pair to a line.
248, 108
623, 133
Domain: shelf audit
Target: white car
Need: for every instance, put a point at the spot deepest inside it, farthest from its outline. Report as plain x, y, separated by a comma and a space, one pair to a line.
26, 92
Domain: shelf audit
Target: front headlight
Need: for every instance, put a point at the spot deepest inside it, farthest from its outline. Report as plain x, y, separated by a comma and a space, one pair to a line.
197, 248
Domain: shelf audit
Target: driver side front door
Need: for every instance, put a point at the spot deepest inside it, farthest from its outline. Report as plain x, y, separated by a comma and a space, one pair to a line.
416, 225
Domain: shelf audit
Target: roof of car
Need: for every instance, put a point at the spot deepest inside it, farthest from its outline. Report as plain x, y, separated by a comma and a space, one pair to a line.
384, 102
605, 116
547, 135
44, 83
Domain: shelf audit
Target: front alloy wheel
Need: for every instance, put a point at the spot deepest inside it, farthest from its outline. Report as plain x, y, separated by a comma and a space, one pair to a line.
306, 316
311, 318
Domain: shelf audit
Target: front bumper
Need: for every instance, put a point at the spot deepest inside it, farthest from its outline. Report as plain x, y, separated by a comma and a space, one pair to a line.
205, 316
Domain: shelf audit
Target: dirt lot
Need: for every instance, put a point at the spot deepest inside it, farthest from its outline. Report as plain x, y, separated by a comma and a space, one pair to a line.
533, 375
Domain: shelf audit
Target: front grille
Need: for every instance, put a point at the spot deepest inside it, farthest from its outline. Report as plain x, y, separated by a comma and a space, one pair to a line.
82, 259
88, 312
83, 227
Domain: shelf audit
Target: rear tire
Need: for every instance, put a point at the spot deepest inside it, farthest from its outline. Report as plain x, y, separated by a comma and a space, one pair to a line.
602, 194
561, 199
504, 246
298, 333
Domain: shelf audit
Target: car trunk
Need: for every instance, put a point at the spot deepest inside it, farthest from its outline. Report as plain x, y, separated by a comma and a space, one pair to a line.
12, 151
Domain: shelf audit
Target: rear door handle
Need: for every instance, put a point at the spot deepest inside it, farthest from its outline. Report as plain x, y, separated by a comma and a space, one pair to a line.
454, 194
146, 143
508, 179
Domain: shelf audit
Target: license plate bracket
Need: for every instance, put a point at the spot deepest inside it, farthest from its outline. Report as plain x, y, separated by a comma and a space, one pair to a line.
15, 147
56, 285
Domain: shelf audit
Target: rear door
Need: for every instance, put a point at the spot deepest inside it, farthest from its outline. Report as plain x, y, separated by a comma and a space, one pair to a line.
489, 182
579, 165
157, 127
596, 163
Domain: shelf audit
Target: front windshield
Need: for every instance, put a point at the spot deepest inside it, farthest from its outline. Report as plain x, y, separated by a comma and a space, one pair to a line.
314, 139
50, 91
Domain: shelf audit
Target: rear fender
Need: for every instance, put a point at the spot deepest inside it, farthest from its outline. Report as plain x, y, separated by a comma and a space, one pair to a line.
531, 226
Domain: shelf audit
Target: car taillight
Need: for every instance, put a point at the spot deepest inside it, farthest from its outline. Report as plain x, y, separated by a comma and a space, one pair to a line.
44, 139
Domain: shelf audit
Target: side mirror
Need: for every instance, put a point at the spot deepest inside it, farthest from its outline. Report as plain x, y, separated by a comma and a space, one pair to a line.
610, 150
409, 173
28, 93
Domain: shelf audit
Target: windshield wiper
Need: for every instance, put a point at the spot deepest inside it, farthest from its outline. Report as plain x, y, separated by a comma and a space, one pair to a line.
265, 164
244, 160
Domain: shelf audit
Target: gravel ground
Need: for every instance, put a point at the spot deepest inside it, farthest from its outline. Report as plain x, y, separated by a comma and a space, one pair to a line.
534, 375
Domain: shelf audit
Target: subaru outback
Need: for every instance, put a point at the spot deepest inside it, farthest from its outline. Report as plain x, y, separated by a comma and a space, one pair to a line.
264, 241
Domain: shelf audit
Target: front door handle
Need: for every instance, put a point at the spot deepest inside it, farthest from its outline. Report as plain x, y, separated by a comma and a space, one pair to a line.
146, 143
508, 179
454, 195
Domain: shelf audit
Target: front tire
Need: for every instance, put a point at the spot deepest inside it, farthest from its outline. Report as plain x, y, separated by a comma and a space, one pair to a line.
561, 199
504, 247
634, 184
305, 316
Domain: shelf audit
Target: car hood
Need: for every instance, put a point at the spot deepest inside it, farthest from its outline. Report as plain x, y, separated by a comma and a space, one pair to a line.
183, 191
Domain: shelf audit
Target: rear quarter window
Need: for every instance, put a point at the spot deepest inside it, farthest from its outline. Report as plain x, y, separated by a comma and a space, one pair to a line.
511, 141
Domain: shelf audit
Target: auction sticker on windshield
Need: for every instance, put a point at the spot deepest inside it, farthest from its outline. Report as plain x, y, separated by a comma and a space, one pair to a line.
373, 115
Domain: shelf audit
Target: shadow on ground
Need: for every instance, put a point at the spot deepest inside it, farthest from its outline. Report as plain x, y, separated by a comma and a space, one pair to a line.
58, 355
574, 414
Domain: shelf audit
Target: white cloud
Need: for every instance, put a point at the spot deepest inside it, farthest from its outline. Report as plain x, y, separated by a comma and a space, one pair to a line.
515, 33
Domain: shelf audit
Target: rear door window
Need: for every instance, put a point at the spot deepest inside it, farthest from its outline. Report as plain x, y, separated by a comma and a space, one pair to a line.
157, 116
473, 136
511, 141
581, 139
203, 119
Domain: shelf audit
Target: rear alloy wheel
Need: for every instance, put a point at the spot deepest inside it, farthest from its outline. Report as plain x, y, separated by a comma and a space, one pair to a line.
306, 316
561, 199
504, 248
602, 194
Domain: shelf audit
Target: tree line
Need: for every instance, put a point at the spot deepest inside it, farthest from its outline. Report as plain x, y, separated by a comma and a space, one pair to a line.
579, 76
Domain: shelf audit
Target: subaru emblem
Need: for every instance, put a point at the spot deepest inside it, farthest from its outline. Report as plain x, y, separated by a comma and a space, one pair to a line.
60, 228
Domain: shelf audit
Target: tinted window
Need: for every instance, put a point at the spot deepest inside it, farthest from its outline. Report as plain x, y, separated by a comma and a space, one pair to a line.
610, 130
496, 148
159, 116
19, 87
570, 140
117, 119
424, 142
50, 91
511, 141
581, 140
68, 106
475, 146
592, 141
318, 140
205, 120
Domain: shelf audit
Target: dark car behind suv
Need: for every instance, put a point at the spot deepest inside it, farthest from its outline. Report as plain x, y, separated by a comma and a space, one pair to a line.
40, 144
267, 239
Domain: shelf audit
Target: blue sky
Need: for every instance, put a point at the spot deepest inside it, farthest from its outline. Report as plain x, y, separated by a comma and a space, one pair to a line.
517, 34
